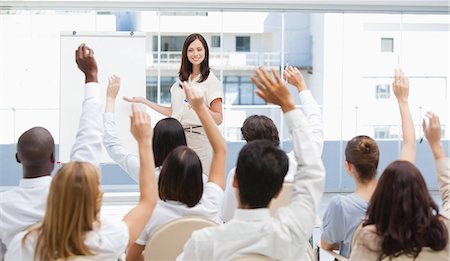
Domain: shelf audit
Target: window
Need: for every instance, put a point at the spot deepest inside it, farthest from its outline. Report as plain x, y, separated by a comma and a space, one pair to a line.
242, 43
387, 45
383, 91
239, 90
169, 43
183, 13
381, 132
215, 41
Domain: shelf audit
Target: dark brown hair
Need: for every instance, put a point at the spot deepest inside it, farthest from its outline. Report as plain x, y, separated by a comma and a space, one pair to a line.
181, 177
167, 135
260, 127
404, 213
362, 151
186, 65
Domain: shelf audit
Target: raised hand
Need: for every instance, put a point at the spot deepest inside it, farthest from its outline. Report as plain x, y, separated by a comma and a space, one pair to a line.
140, 125
194, 97
85, 59
113, 87
134, 99
401, 86
272, 91
432, 131
295, 77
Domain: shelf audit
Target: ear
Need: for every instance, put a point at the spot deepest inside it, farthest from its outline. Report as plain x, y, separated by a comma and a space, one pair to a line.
17, 159
348, 166
52, 157
235, 182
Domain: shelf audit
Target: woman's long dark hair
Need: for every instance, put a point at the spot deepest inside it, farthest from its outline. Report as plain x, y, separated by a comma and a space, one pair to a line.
167, 135
186, 65
404, 213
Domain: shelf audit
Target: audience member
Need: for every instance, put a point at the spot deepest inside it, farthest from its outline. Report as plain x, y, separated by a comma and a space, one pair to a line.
345, 213
71, 224
180, 181
260, 171
24, 205
261, 127
402, 219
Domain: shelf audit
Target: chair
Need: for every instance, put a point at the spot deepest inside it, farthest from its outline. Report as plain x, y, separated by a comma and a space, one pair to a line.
168, 241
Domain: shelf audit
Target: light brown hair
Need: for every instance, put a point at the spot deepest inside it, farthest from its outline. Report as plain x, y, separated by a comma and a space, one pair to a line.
73, 206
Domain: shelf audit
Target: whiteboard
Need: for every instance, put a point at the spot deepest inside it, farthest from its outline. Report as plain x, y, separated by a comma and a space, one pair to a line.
119, 53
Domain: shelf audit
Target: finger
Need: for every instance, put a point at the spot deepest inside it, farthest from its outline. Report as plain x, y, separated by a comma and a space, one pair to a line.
297, 70
424, 126
134, 108
261, 95
126, 99
262, 78
275, 75
258, 84
267, 77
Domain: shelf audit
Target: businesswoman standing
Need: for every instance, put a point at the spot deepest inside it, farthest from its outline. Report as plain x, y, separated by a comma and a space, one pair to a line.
195, 71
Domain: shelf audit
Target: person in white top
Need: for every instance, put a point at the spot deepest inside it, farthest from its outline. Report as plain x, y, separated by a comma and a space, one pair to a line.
180, 183
261, 127
260, 171
71, 224
167, 135
195, 70
24, 205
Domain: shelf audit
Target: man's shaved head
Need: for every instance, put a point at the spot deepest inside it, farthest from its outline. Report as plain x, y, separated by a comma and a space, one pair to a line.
36, 152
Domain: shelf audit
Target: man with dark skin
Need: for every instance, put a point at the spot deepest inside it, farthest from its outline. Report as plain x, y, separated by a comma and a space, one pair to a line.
25, 205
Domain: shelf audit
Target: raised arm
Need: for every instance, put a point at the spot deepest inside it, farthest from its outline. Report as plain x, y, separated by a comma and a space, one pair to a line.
127, 161
138, 217
217, 171
401, 91
310, 106
88, 142
309, 179
433, 135
164, 110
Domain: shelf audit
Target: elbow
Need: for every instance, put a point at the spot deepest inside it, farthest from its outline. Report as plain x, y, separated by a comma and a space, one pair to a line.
219, 120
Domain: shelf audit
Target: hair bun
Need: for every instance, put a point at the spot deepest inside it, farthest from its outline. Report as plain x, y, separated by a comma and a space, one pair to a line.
365, 146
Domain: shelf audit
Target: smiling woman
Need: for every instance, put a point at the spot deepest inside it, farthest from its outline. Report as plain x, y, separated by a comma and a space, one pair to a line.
195, 72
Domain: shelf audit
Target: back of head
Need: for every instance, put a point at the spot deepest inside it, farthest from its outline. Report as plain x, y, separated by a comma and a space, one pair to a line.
181, 177
73, 206
362, 151
35, 151
260, 171
167, 135
260, 127
404, 212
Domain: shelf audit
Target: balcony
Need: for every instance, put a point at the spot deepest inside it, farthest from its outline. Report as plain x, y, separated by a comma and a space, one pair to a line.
228, 60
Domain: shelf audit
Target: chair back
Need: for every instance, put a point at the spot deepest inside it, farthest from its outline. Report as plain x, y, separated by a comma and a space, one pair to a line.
167, 242
282, 199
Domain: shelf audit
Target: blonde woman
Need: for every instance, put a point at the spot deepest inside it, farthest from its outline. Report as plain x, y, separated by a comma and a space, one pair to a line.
71, 225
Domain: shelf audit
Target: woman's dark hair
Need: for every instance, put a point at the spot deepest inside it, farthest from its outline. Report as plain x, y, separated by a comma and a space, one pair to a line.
260, 127
181, 177
186, 65
362, 151
167, 135
404, 213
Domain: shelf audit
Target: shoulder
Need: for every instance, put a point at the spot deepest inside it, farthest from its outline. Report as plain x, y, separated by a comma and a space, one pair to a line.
336, 203
368, 236
212, 79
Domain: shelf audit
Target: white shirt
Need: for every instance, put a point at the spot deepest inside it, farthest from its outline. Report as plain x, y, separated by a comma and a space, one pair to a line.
21, 207
314, 118
126, 160
254, 230
166, 211
211, 89
108, 241
31, 196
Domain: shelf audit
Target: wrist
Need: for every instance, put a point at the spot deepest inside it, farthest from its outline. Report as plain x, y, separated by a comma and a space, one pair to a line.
287, 106
91, 77
300, 87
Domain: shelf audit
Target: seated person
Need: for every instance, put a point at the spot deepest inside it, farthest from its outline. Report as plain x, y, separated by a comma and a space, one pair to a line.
345, 213
260, 171
180, 181
24, 205
258, 127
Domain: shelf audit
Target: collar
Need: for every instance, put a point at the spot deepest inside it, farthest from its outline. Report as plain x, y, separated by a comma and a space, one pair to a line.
251, 214
35, 182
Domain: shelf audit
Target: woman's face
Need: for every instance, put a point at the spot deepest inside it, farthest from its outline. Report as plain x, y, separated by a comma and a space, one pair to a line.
196, 52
